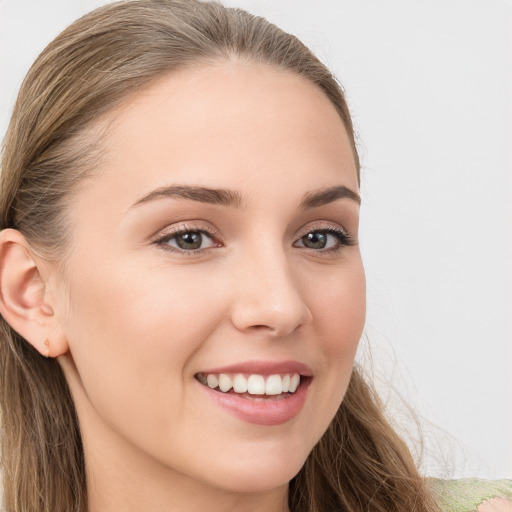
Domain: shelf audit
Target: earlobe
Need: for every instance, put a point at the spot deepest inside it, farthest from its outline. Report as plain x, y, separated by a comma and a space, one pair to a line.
23, 295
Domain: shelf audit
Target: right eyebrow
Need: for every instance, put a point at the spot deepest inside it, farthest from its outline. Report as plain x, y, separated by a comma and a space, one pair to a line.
216, 196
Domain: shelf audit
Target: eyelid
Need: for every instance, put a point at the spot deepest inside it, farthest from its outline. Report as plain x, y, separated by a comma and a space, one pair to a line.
345, 237
176, 229
324, 226
186, 225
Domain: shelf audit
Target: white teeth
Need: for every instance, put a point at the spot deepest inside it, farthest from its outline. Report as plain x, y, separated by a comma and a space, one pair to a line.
225, 383
274, 385
256, 385
286, 383
239, 384
294, 382
212, 381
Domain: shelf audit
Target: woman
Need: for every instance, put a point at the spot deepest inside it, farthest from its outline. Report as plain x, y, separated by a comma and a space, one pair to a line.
182, 291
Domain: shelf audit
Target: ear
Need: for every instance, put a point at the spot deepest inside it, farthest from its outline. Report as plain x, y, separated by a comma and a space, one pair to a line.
25, 302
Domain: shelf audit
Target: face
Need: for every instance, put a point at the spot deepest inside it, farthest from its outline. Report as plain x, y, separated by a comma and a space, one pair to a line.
216, 247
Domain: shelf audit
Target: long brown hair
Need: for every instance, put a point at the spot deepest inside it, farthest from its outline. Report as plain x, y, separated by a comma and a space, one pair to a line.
360, 464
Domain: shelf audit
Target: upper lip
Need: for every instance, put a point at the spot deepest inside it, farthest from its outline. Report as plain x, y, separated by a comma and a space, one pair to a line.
263, 368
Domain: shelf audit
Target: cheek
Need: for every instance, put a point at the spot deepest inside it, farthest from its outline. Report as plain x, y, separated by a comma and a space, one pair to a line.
339, 316
340, 309
132, 334
129, 306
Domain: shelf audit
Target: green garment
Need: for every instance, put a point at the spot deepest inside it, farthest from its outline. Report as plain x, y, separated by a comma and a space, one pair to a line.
465, 495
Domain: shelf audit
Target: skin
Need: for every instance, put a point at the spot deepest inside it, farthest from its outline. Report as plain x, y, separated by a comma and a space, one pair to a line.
133, 320
496, 505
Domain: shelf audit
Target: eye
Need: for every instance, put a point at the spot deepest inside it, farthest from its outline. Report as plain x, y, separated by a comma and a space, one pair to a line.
324, 240
188, 240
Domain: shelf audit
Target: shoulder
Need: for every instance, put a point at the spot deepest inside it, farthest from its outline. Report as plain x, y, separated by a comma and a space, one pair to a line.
473, 494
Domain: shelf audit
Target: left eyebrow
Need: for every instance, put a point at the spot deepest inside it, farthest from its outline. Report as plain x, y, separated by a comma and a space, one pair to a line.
328, 195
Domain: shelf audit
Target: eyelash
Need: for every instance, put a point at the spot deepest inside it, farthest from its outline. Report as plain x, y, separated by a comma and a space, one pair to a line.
182, 230
344, 239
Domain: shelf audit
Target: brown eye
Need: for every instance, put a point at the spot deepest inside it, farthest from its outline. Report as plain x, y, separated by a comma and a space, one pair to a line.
315, 240
189, 240
324, 240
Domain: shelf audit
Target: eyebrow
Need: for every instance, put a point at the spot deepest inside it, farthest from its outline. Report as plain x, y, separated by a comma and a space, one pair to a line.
328, 195
216, 196
225, 197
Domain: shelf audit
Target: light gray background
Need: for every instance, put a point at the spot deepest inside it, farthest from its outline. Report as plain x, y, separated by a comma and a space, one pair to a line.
429, 84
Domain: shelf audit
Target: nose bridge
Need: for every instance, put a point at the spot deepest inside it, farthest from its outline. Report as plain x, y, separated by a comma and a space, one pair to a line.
269, 294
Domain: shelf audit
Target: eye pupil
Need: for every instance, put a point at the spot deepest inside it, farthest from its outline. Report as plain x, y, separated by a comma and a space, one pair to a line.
189, 240
315, 240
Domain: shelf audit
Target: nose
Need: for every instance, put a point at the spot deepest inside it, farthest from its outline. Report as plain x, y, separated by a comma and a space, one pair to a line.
270, 297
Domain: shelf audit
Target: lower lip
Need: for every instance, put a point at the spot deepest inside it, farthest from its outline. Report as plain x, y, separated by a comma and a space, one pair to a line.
266, 412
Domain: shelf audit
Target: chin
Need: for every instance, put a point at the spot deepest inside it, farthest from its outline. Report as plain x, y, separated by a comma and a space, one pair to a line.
257, 483
250, 477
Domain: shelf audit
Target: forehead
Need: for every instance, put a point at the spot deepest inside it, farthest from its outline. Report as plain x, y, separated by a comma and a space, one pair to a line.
226, 122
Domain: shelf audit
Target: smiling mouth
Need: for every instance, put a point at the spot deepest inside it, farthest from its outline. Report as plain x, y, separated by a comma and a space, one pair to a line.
254, 386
